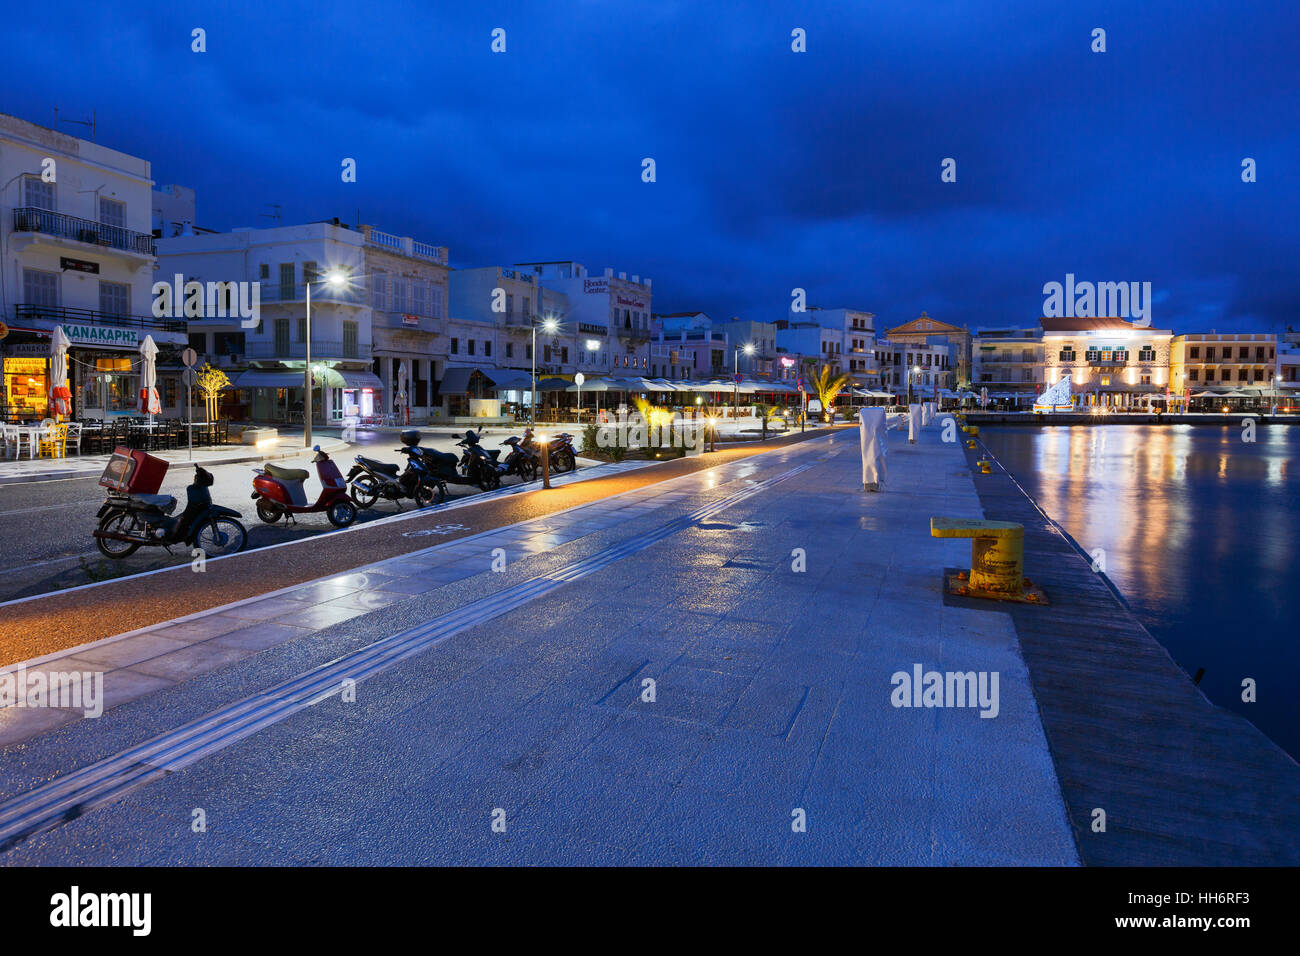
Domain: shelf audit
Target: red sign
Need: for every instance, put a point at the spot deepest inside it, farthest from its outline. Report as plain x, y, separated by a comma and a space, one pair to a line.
408, 319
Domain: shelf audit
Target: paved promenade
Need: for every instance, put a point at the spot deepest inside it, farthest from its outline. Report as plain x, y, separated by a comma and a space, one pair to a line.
523, 696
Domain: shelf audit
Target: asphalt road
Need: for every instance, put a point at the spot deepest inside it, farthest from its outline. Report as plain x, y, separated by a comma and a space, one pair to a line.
45, 527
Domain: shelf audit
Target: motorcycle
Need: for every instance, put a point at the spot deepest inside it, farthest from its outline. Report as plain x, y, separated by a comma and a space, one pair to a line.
372, 480
478, 465
563, 457
279, 492
128, 522
523, 459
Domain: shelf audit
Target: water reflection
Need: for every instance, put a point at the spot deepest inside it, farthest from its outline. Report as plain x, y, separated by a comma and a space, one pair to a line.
1198, 529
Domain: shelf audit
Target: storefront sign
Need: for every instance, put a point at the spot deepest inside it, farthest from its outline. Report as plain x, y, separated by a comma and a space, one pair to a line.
630, 303
78, 265
29, 349
410, 319
102, 335
595, 286
24, 366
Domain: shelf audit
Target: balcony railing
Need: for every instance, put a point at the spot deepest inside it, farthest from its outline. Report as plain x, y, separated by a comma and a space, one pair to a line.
322, 349
64, 316
406, 246
289, 292
49, 223
634, 335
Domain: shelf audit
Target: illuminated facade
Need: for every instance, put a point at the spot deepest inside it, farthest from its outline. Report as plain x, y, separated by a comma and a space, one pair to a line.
1111, 362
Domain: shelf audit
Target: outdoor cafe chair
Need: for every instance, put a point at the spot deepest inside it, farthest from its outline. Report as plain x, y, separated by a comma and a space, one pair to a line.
74, 437
53, 441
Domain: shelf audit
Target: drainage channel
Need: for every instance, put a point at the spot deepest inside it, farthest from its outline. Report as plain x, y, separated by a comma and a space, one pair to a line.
102, 782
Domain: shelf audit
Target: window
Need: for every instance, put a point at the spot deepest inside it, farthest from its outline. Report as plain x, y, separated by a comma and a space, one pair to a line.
487, 347
1243, 352
546, 354
379, 291
1147, 353
528, 352
470, 346
1209, 375
302, 329
399, 295
1067, 355
40, 288
227, 343
417, 298
1259, 353
1259, 375
435, 301
1209, 353
1193, 374
455, 346
510, 350
112, 212
286, 281
1242, 374
169, 393
310, 273
510, 305
350, 340
114, 298
1194, 352
264, 271
281, 337
564, 354
38, 194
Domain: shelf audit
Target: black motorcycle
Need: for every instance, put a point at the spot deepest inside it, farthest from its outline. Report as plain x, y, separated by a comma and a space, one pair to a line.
479, 465
130, 521
562, 455
372, 480
523, 459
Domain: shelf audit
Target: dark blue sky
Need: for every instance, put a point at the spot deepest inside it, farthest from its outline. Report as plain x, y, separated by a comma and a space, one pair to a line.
775, 169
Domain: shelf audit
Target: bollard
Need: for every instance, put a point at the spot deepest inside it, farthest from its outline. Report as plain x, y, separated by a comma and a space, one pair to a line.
545, 442
997, 560
970, 443
972, 429
986, 466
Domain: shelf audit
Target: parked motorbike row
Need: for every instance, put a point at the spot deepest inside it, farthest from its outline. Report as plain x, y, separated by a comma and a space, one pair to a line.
130, 519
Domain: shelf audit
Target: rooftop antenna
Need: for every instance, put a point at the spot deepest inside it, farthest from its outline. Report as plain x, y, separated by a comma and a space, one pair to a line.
88, 123
274, 215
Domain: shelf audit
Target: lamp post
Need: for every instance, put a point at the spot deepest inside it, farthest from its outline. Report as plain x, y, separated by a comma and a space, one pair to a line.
545, 442
548, 325
748, 349
335, 279
916, 370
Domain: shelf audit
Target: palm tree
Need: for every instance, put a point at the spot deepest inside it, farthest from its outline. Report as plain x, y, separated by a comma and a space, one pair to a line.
826, 385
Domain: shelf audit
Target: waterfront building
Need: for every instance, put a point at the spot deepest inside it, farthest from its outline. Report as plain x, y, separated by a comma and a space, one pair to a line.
1112, 363
843, 339
1009, 364
265, 360
1207, 369
687, 347
77, 251
760, 363
924, 330
408, 284
608, 316
922, 370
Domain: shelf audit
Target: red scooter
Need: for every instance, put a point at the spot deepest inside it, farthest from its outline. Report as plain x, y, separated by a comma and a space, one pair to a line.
279, 492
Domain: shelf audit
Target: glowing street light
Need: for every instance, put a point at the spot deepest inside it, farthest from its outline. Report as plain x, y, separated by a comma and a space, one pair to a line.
748, 349
335, 280
548, 325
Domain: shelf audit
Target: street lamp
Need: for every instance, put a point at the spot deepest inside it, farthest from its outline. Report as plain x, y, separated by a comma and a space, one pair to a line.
548, 325
916, 370
748, 349
335, 279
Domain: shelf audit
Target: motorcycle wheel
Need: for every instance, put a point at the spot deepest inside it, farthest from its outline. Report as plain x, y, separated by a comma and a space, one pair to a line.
221, 536
269, 511
490, 480
427, 494
119, 523
564, 462
365, 491
528, 471
342, 513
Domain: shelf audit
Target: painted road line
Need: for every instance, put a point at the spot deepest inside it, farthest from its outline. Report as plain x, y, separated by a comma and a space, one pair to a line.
104, 781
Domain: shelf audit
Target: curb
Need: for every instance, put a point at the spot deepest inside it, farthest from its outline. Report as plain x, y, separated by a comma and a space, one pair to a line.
331, 447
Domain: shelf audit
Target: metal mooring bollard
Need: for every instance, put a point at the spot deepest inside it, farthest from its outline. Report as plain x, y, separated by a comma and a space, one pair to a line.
986, 465
997, 560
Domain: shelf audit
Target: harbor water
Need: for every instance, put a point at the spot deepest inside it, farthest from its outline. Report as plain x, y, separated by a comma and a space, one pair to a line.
1199, 529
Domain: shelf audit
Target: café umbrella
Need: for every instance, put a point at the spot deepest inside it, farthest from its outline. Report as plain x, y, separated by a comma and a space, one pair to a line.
60, 394
149, 378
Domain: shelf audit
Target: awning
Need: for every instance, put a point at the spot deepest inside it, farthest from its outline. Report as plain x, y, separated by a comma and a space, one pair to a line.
268, 378
455, 381
512, 380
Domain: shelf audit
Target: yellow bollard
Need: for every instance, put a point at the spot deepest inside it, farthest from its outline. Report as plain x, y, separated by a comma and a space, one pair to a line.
986, 466
997, 561
970, 443
973, 429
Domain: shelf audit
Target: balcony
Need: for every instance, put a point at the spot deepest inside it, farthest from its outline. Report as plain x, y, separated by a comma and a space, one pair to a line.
323, 350
289, 293
521, 322
634, 336
49, 223
61, 316
405, 246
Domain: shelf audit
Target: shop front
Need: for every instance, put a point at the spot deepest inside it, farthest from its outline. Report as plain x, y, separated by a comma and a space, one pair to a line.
26, 384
